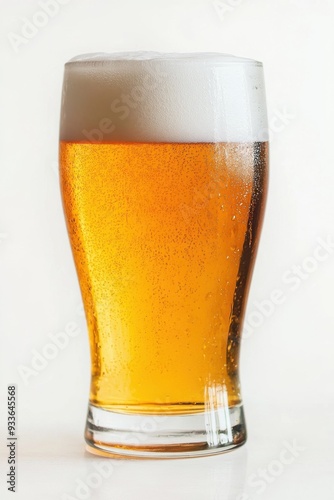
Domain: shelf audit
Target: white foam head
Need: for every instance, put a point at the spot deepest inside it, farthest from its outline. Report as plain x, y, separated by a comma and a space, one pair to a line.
152, 97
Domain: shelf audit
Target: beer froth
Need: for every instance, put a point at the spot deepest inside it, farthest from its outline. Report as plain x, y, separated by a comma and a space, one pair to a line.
152, 97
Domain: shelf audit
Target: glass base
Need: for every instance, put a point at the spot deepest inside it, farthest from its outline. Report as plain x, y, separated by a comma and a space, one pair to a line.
164, 436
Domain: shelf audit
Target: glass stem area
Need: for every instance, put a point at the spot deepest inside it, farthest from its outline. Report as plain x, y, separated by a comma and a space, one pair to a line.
165, 436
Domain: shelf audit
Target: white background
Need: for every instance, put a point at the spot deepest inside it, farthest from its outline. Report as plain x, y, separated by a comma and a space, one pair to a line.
287, 359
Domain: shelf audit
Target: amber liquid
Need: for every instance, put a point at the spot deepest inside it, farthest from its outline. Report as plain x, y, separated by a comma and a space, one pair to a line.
164, 238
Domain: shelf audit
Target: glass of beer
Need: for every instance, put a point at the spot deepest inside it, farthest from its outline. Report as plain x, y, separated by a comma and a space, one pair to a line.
163, 167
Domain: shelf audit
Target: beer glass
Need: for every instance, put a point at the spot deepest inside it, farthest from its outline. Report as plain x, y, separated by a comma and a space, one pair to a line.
163, 167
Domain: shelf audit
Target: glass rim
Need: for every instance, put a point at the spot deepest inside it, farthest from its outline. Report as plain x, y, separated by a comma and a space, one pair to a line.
214, 58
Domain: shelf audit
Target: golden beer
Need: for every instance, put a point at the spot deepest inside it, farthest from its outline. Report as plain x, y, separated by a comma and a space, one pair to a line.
164, 236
